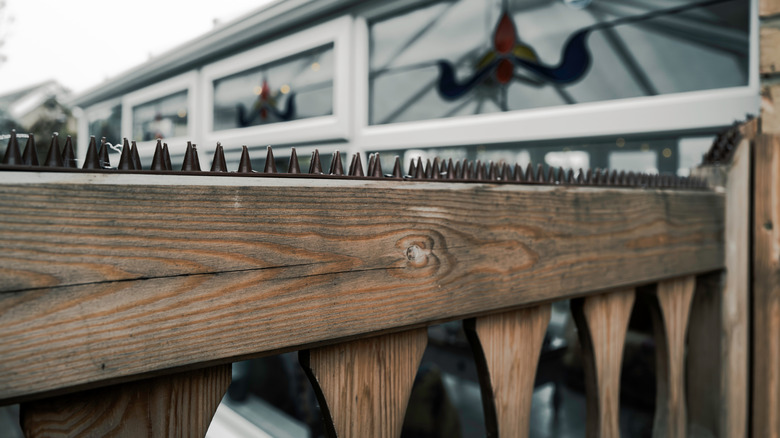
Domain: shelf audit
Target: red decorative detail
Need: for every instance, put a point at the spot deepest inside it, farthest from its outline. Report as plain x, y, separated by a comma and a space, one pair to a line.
265, 92
505, 71
504, 39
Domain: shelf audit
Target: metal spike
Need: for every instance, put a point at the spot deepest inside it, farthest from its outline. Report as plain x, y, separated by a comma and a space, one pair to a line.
167, 157
507, 174
580, 177
570, 178
622, 178
518, 174
134, 155
54, 157
371, 165
105, 162
435, 171
30, 154
419, 170
270, 163
492, 175
428, 169
293, 167
12, 154
551, 175
468, 169
158, 162
316, 166
449, 172
377, 167
589, 177
540, 173
458, 173
631, 179
529, 173
125, 160
397, 172
479, 171
191, 162
613, 178
335, 164
218, 163
561, 176
68, 156
91, 160
412, 168
245, 163
358, 165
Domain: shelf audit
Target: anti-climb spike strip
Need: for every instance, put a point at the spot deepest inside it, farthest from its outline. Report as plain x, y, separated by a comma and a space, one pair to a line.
30, 154
96, 159
191, 162
270, 162
12, 154
397, 172
126, 160
135, 157
293, 167
371, 165
315, 167
218, 163
336, 168
245, 163
158, 162
358, 171
105, 162
167, 157
68, 156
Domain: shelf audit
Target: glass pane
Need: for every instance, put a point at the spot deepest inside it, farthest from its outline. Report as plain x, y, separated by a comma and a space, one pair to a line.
293, 88
465, 57
108, 124
162, 118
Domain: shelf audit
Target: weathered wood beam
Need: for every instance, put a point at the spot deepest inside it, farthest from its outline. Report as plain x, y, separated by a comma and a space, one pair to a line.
107, 278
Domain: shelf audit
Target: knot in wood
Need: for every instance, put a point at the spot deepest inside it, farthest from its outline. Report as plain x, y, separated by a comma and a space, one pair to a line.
416, 256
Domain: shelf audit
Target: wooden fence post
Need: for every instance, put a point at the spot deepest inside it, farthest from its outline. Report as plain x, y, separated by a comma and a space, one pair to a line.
168, 406
602, 323
506, 349
363, 386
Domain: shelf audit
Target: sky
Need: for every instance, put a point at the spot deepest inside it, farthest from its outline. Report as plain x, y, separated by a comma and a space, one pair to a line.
81, 43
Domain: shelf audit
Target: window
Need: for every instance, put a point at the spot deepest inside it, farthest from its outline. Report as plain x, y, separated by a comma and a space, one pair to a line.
161, 118
292, 90
474, 57
164, 110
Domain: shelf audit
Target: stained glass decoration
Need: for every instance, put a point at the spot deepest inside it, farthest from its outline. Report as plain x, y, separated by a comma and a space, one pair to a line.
293, 88
471, 57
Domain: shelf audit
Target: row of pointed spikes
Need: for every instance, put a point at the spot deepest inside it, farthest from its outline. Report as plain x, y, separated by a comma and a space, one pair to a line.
724, 145
463, 170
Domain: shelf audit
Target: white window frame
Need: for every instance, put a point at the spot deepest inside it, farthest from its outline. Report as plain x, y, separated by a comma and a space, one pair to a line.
184, 82
313, 129
678, 112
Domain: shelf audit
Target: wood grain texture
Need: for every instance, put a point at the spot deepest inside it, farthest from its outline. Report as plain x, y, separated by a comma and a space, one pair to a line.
104, 282
770, 50
176, 405
669, 311
767, 8
602, 323
506, 349
363, 386
705, 359
770, 109
766, 288
735, 325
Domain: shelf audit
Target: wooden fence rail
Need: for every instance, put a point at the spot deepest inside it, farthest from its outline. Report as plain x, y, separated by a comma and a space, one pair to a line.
110, 279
